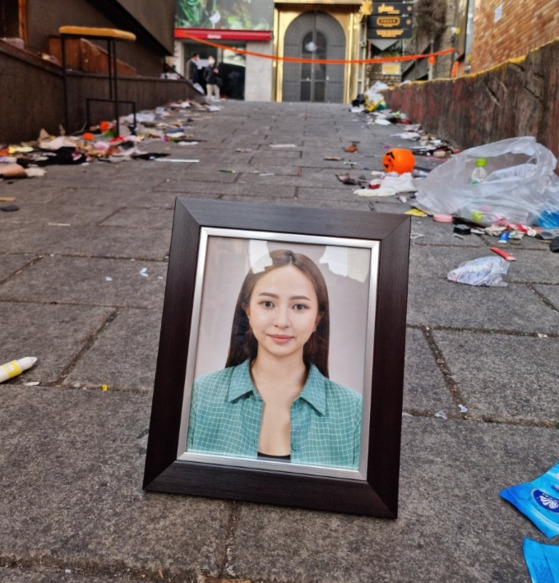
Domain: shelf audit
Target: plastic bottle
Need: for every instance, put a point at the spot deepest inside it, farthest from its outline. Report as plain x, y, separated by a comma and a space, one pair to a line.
480, 173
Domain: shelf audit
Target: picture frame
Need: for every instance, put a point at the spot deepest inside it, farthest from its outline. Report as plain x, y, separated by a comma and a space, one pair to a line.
364, 258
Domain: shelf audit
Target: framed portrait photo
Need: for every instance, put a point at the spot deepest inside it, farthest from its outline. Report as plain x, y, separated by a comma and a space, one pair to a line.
281, 357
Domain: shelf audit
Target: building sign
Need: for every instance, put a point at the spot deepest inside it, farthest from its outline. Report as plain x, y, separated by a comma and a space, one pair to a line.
391, 69
225, 14
392, 8
390, 20
393, 33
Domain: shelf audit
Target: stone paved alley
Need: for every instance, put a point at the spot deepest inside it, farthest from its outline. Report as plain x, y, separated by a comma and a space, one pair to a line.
72, 456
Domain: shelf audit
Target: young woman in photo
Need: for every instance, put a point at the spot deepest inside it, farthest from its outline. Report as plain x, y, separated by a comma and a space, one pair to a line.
274, 400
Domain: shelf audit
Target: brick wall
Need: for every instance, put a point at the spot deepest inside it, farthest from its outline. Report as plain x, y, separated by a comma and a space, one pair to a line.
373, 73
507, 29
517, 98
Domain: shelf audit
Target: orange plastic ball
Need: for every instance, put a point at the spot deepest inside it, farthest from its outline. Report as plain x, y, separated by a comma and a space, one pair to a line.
105, 126
88, 137
398, 160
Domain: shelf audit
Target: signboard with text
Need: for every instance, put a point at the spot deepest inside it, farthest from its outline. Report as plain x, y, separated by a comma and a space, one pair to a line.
392, 8
390, 20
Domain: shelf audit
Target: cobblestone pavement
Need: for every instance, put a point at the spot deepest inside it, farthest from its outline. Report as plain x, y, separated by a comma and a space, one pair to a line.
82, 275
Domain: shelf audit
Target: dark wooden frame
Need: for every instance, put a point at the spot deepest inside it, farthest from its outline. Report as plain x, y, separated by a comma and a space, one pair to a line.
375, 495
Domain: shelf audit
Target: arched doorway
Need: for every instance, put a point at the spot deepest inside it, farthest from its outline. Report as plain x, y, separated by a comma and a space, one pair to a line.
314, 35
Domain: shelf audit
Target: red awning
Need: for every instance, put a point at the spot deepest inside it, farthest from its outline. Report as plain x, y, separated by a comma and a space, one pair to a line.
224, 34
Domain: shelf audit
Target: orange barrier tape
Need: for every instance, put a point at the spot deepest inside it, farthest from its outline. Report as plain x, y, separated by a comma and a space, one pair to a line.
320, 61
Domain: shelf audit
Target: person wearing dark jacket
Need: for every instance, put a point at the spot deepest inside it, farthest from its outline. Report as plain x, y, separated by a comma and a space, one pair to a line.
192, 69
212, 75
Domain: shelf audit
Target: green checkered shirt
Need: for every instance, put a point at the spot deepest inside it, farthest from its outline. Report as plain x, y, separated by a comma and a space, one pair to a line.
226, 411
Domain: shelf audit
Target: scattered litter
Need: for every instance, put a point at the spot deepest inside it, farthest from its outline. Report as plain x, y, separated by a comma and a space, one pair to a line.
416, 213
484, 271
166, 124
375, 192
373, 99
503, 253
351, 149
554, 245
244, 150
228, 171
16, 367
440, 415
12, 171
333, 158
540, 335
462, 230
542, 561
283, 145
545, 234
414, 136
144, 272
34, 172
108, 278
7, 198
176, 160
443, 218
462, 409
538, 500
399, 181
104, 388
266, 174
9, 208
347, 179
32, 384
521, 185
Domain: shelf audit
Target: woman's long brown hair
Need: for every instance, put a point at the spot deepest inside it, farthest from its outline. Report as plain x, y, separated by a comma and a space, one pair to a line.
243, 344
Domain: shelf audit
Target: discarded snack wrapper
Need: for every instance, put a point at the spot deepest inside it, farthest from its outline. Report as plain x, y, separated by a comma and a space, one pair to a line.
538, 500
503, 254
542, 561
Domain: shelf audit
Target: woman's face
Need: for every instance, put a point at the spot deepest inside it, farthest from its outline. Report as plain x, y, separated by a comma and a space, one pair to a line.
283, 311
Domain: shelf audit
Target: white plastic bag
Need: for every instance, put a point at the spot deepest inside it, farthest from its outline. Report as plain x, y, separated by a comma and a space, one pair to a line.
520, 185
374, 96
484, 271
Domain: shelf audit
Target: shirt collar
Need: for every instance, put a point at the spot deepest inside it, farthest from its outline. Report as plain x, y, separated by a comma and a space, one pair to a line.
241, 383
314, 391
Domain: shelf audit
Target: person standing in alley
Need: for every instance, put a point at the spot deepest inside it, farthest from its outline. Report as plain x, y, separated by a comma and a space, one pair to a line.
192, 71
212, 75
